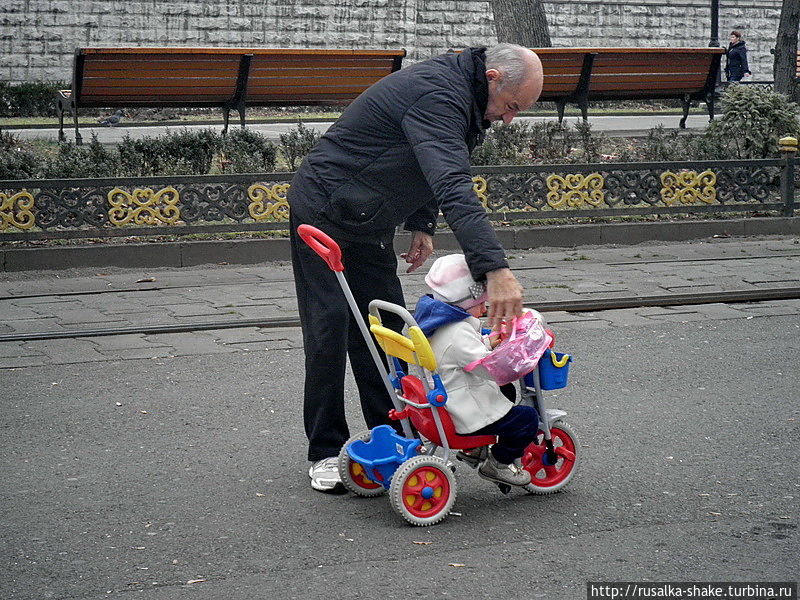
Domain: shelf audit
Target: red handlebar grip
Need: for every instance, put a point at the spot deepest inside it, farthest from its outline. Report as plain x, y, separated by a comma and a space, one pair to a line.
323, 245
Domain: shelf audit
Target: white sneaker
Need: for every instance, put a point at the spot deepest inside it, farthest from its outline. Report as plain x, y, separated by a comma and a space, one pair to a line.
501, 473
325, 476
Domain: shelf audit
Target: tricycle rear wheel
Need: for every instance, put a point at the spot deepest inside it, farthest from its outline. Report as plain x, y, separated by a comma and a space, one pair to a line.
353, 475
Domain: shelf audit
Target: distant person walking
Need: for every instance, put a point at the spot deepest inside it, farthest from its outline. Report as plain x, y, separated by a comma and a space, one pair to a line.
736, 58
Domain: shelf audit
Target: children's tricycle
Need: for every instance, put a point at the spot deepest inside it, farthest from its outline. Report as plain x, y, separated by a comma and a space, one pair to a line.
420, 479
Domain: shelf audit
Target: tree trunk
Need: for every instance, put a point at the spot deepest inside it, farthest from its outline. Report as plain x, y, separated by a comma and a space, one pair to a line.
523, 22
785, 66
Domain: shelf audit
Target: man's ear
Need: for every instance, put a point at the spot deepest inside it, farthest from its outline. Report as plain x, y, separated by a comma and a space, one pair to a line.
493, 75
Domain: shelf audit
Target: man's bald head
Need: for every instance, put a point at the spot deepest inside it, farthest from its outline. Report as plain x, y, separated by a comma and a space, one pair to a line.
515, 81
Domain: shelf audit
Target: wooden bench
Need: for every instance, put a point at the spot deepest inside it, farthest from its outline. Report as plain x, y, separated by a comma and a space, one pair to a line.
583, 75
229, 78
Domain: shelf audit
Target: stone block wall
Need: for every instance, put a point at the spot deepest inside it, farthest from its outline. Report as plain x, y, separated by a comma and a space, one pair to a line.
38, 37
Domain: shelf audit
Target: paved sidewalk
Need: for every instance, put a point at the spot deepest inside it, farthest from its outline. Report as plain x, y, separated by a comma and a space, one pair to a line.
611, 125
103, 298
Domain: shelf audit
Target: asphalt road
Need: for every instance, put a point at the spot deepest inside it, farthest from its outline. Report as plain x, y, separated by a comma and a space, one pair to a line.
195, 485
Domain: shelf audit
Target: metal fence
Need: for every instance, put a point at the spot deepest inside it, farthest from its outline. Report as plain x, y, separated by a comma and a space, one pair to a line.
81, 208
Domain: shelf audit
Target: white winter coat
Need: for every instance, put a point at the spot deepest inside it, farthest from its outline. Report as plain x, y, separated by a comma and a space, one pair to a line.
474, 399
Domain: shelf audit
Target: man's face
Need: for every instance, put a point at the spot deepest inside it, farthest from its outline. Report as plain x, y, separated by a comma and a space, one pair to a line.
506, 102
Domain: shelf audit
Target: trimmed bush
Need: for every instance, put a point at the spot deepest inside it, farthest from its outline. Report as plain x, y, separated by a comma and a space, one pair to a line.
17, 160
183, 153
297, 143
29, 99
247, 151
90, 160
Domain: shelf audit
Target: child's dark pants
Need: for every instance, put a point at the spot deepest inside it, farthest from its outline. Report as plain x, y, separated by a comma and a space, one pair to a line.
515, 431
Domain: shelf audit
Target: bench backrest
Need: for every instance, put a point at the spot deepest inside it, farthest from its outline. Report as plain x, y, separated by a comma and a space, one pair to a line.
213, 76
562, 71
651, 72
296, 77
628, 72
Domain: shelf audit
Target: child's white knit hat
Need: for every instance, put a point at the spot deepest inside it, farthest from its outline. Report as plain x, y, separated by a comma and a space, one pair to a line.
451, 282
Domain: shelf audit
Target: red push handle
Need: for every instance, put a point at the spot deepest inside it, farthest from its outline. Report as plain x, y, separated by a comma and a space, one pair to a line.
323, 245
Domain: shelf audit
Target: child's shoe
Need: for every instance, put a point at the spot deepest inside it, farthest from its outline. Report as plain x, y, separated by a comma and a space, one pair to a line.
501, 473
473, 456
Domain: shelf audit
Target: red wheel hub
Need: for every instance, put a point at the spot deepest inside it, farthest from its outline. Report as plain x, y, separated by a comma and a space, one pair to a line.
535, 462
425, 491
359, 477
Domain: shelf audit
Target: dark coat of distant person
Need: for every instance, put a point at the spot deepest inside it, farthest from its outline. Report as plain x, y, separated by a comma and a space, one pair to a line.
736, 66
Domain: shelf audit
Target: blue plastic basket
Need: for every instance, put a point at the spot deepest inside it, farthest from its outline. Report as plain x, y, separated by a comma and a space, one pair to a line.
551, 375
383, 454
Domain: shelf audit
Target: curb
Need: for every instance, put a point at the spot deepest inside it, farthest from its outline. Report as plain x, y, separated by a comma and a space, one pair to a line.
190, 254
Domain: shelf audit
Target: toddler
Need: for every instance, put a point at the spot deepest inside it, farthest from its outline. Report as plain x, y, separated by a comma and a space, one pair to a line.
449, 317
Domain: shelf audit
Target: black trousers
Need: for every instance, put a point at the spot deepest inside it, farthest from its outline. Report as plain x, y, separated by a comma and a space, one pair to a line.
331, 334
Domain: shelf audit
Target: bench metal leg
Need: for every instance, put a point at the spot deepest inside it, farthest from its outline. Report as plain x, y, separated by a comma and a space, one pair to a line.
78, 138
560, 106
226, 113
686, 104
710, 101
241, 114
60, 113
585, 110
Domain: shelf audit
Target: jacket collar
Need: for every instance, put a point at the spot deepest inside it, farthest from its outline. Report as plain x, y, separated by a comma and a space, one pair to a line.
472, 62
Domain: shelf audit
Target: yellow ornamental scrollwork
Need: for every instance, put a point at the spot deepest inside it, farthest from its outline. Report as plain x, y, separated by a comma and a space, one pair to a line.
479, 185
268, 203
16, 210
575, 190
688, 187
144, 206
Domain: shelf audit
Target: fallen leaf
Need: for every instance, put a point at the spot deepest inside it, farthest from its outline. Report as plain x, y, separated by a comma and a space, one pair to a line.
260, 495
222, 263
721, 235
705, 495
716, 514
146, 280
456, 565
144, 412
191, 581
423, 543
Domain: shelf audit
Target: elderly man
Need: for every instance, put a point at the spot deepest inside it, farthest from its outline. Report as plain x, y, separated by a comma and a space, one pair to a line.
398, 155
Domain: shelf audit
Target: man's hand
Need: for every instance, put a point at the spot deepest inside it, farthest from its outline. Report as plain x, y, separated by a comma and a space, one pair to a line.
505, 296
418, 252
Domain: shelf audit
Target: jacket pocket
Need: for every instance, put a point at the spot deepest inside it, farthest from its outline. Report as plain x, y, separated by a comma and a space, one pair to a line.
356, 205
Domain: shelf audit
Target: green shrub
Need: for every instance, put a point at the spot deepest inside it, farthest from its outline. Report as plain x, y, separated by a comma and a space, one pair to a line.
17, 160
183, 153
29, 99
752, 122
247, 151
297, 143
90, 160
505, 144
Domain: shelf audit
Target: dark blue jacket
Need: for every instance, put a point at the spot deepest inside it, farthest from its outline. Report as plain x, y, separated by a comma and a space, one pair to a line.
400, 153
736, 62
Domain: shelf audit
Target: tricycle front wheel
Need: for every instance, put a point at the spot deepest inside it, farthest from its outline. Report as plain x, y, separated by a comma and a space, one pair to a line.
423, 490
548, 476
